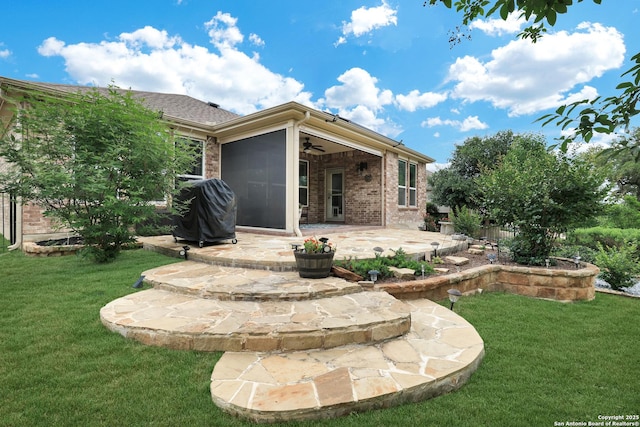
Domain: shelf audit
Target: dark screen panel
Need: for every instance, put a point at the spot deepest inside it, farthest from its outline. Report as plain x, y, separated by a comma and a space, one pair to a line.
255, 169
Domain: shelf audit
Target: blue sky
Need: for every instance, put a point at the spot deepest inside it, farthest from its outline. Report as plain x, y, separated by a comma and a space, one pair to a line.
385, 64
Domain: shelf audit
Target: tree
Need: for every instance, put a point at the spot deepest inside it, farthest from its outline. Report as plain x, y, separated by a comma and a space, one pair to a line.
542, 194
455, 186
94, 161
621, 160
586, 117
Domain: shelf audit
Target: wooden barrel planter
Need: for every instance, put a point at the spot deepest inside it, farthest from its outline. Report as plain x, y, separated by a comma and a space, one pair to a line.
314, 266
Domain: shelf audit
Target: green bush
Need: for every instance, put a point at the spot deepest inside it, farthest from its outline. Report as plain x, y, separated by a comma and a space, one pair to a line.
527, 250
430, 223
607, 237
622, 215
618, 266
382, 264
432, 209
466, 222
569, 251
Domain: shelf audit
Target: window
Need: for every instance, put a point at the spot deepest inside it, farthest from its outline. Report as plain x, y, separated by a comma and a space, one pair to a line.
407, 178
402, 183
412, 184
303, 174
197, 169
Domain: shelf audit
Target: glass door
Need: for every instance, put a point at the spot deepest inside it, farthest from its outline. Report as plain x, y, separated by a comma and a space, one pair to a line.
335, 195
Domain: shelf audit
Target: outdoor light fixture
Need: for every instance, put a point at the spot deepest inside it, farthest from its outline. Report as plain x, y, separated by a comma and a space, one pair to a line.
325, 247
547, 262
361, 167
576, 260
492, 258
295, 246
184, 252
435, 248
138, 283
373, 274
378, 250
454, 295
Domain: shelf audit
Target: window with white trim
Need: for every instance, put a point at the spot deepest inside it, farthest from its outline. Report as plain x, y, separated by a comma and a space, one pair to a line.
407, 178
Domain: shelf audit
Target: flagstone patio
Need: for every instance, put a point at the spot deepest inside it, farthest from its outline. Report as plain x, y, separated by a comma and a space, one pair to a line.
298, 348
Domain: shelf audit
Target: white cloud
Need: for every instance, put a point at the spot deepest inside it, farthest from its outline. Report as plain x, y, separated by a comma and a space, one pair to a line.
525, 77
358, 98
4, 53
434, 167
365, 20
150, 37
470, 123
223, 31
256, 40
358, 88
414, 100
498, 27
151, 59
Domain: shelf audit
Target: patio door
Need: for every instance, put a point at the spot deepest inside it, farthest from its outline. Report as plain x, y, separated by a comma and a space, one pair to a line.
335, 195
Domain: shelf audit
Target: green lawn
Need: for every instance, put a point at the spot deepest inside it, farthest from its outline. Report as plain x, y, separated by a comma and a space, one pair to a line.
545, 361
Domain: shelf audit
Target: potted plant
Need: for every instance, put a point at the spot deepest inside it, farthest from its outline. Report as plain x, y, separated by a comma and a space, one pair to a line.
314, 257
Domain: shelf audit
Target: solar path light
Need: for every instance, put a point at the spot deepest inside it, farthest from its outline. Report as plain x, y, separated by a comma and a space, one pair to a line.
454, 295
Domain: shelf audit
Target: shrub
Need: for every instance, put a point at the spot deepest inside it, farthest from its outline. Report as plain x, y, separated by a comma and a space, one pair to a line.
618, 266
432, 209
430, 223
382, 264
527, 250
586, 254
466, 222
606, 237
622, 215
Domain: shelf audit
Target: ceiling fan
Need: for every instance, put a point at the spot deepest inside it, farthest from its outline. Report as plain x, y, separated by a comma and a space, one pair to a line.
308, 146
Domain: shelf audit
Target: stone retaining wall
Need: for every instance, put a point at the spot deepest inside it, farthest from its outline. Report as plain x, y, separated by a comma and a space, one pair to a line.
538, 282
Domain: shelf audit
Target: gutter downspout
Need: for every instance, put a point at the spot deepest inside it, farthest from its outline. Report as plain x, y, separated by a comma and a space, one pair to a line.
18, 219
296, 133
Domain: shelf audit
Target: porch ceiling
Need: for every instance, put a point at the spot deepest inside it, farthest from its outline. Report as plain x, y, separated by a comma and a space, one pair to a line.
329, 147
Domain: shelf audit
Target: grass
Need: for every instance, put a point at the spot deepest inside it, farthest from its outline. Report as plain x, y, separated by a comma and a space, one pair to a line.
545, 361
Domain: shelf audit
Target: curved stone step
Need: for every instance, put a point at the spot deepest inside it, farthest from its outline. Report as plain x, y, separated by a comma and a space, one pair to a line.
179, 321
439, 354
241, 284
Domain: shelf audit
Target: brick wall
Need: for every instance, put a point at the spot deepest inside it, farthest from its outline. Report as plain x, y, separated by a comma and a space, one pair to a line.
36, 225
363, 195
211, 158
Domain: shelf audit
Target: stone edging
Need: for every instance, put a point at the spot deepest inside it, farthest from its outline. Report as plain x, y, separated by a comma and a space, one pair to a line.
33, 249
538, 282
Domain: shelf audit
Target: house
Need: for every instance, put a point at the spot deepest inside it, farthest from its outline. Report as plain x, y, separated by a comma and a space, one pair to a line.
276, 161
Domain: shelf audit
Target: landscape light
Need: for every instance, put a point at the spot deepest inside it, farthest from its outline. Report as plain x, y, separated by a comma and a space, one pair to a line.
373, 274
454, 295
184, 252
435, 248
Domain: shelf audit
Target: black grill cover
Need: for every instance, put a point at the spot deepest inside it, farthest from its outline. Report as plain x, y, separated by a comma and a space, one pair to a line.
211, 213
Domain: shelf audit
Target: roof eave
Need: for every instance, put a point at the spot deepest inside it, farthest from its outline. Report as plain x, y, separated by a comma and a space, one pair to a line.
296, 111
